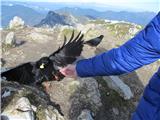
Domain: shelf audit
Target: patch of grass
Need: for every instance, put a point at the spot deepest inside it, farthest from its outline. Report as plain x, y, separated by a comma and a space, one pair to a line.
73, 87
98, 21
91, 33
6, 47
119, 29
68, 31
40, 113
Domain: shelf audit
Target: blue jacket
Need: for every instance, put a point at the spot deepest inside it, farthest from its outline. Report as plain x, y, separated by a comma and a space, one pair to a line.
141, 50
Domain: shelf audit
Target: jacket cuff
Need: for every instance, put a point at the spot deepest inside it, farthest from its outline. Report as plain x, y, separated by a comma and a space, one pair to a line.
81, 68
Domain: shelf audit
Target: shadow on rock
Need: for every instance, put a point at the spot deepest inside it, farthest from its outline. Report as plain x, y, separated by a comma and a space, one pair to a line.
20, 43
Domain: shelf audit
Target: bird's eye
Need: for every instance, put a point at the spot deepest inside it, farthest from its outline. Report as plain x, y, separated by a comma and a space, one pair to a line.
42, 66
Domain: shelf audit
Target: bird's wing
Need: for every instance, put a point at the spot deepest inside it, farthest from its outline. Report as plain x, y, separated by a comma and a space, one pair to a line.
94, 40
19, 73
69, 51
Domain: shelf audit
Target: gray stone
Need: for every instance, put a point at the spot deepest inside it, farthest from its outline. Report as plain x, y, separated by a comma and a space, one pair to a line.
115, 111
85, 115
22, 109
17, 107
53, 114
10, 39
119, 86
16, 23
2, 62
6, 93
23, 104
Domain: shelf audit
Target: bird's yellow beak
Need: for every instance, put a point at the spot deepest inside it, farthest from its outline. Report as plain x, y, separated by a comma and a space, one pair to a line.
42, 66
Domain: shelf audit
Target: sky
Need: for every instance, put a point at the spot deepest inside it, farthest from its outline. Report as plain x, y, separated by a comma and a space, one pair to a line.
144, 5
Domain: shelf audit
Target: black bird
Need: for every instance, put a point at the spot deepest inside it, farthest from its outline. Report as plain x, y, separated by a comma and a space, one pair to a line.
47, 68
95, 41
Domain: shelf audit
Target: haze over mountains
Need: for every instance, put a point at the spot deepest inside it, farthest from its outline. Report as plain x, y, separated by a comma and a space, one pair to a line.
30, 16
135, 17
33, 14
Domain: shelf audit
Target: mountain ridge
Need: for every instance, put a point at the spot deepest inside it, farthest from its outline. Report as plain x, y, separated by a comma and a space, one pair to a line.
33, 16
141, 18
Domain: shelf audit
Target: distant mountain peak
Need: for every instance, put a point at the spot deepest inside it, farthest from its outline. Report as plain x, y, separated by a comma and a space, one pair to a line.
51, 13
51, 20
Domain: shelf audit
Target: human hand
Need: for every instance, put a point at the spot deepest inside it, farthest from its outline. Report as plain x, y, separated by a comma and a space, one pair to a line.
69, 71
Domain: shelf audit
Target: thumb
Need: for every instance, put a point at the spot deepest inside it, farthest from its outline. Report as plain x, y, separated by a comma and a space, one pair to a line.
63, 71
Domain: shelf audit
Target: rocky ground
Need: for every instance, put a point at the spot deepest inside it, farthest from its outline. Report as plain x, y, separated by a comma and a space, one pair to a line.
99, 98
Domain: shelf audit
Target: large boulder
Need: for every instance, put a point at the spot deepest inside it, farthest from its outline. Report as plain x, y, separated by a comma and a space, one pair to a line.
76, 95
85, 115
10, 39
21, 102
115, 83
16, 23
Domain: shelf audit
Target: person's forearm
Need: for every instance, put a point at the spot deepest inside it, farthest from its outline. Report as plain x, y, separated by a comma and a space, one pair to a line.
143, 49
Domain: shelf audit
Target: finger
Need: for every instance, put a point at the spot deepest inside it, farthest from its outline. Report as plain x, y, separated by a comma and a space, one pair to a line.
63, 71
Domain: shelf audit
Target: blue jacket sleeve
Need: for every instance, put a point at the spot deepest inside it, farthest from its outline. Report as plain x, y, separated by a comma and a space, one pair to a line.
141, 50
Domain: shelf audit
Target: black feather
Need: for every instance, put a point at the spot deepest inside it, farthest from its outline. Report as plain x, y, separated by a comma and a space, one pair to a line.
69, 51
22, 74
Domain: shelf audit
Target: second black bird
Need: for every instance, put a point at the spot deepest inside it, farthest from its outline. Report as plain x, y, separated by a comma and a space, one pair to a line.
95, 41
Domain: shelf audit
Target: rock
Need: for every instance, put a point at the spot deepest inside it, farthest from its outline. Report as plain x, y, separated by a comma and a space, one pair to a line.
133, 30
22, 110
75, 95
23, 104
51, 114
2, 62
10, 39
27, 103
85, 115
43, 54
5, 93
119, 86
115, 111
16, 23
